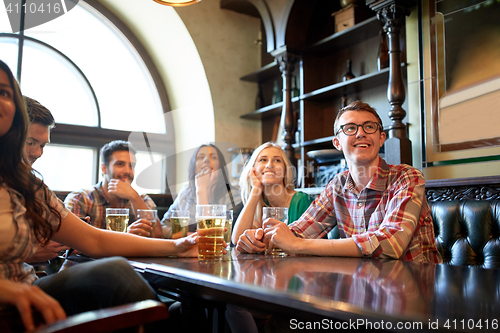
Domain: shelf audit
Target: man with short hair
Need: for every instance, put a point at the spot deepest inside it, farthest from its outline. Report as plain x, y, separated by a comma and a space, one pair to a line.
381, 210
115, 191
41, 123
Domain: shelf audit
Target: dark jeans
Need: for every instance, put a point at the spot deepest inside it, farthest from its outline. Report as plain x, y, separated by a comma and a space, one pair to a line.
99, 284
95, 285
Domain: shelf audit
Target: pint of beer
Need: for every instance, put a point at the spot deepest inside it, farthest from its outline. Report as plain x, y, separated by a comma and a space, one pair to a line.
280, 214
210, 223
151, 215
179, 221
229, 226
117, 219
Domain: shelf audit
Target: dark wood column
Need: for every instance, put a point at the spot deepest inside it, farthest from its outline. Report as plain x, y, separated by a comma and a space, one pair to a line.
392, 13
286, 62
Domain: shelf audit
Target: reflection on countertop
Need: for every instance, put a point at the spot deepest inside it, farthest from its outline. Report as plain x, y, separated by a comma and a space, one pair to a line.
379, 289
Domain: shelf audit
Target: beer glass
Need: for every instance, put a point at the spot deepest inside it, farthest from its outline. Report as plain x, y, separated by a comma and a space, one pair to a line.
277, 213
150, 215
210, 222
179, 221
229, 226
117, 219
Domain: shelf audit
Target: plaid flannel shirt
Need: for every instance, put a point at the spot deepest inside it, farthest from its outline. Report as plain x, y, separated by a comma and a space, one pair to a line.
24, 244
389, 218
91, 202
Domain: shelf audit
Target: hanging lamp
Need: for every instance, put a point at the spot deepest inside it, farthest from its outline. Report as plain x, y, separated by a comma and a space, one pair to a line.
176, 3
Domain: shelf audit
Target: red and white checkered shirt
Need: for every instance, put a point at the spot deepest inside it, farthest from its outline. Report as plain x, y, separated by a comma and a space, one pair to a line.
389, 218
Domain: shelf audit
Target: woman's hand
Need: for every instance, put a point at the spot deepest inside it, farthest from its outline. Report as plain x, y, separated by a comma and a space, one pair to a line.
204, 178
256, 183
251, 241
25, 296
192, 251
47, 252
205, 183
187, 246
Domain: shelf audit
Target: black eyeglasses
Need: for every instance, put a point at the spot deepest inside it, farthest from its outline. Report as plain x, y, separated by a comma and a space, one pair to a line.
369, 127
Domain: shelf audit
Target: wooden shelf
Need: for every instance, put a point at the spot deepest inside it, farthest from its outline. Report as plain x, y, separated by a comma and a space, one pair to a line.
360, 32
352, 86
267, 72
366, 81
268, 111
265, 112
318, 141
322, 94
363, 82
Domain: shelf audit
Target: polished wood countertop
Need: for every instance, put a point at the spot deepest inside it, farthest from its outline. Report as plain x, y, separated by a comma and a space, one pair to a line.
391, 294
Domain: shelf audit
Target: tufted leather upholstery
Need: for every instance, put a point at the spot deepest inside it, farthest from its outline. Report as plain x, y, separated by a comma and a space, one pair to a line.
468, 232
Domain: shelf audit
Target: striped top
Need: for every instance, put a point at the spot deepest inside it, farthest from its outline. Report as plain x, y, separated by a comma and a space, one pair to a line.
389, 218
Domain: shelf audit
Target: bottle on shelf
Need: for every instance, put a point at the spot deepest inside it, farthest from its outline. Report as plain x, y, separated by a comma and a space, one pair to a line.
297, 133
259, 100
344, 101
295, 89
348, 75
383, 52
276, 93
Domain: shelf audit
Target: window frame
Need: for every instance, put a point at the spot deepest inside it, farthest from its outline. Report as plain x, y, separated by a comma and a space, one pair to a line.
96, 137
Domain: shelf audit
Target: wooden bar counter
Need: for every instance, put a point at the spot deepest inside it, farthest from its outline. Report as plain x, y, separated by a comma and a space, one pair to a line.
337, 293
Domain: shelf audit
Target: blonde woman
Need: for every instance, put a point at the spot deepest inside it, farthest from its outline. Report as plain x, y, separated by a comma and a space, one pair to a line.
267, 181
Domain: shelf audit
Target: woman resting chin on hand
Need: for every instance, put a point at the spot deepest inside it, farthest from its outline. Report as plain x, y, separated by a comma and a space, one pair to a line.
266, 181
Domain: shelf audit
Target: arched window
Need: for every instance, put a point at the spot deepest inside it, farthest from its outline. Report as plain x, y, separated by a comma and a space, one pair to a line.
95, 77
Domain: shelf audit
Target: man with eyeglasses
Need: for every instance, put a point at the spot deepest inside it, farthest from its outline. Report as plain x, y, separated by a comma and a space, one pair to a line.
380, 210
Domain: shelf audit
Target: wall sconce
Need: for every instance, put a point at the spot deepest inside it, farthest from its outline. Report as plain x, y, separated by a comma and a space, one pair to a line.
176, 3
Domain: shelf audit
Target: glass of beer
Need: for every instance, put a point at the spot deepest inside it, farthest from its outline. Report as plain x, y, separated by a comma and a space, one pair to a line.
179, 221
210, 222
277, 213
117, 219
151, 215
229, 226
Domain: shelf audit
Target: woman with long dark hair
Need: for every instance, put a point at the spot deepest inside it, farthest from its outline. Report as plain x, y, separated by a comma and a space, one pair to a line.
30, 215
208, 184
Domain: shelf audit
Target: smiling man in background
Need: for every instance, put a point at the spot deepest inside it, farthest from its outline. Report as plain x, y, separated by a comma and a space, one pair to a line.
381, 210
115, 190
41, 123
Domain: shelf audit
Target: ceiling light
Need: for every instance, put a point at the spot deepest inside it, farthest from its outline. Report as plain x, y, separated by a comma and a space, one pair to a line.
177, 3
